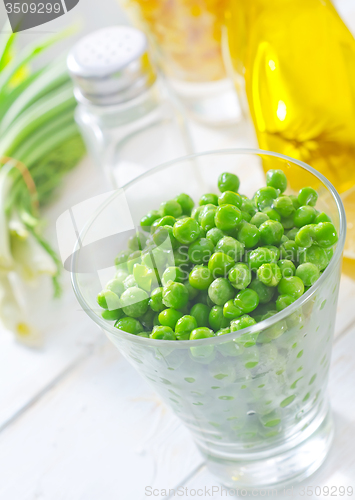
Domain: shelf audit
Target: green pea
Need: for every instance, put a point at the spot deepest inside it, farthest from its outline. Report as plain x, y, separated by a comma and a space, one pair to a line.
147, 220
155, 258
112, 315
122, 258
274, 250
220, 263
329, 252
259, 256
175, 295
167, 220
136, 242
246, 340
287, 268
207, 220
316, 255
291, 286
164, 238
134, 302
201, 314
247, 300
107, 299
186, 203
116, 286
295, 201
171, 207
291, 235
169, 317
162, 333
216, 319
203, 298
283, 205
248, 206
220, 291
181, 256
240, 276
200, 251
231, 311
134, 258
287, 222
272, 214
205, 209
262, 309
322, 217
230, 198
227, 217
196, 212
248, 234
264, 197
304, 215
307, 196
308, 272
276, 179
173, 274
271, 232
265, 293
192, 291
325, 234
200, 277
129, 282
289, 251
186, 230
154, 226
129, 325
208, 198
242, 322
284, 301
305, 236
214, 235
259, 218
147, 319
245, 218
144, 276
274, 331
184, 327
156, 300
231, 247
228, 182
269, 274
143, 334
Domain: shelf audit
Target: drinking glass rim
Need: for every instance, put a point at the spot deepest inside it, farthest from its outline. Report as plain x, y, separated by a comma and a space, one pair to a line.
262, 325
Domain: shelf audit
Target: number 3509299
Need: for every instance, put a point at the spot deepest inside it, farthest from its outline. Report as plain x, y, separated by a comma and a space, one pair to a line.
38, 8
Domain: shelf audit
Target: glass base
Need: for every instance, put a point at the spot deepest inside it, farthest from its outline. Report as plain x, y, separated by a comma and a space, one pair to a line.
279, 467
212, 103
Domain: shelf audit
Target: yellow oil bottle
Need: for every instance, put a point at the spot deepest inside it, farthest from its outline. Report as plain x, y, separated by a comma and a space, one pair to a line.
296, 59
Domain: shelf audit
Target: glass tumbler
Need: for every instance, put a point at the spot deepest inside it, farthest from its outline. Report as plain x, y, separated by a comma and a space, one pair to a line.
255, 401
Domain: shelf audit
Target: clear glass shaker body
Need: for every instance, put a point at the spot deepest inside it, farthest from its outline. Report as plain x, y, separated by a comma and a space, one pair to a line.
130, 138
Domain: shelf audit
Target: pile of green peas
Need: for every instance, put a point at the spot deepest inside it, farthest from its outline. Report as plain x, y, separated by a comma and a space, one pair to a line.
222, 266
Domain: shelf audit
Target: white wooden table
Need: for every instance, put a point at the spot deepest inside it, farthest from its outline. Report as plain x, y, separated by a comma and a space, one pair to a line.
78, 423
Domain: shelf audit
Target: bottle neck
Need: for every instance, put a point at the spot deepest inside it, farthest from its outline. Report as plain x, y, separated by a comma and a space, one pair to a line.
124, 113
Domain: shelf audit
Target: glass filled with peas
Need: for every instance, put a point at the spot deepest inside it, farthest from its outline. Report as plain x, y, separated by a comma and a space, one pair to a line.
220, 285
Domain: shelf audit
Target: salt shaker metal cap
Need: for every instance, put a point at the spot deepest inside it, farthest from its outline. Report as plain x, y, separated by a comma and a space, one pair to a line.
111, 66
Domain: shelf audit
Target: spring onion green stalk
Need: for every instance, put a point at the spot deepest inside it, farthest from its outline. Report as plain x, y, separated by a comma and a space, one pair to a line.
39, 143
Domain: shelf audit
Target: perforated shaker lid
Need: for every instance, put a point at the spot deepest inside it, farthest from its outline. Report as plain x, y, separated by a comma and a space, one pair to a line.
111, 66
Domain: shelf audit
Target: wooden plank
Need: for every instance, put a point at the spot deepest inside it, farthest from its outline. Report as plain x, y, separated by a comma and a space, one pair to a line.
103, 430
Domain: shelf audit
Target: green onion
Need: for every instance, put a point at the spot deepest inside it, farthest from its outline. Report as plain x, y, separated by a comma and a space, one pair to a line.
39, 135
